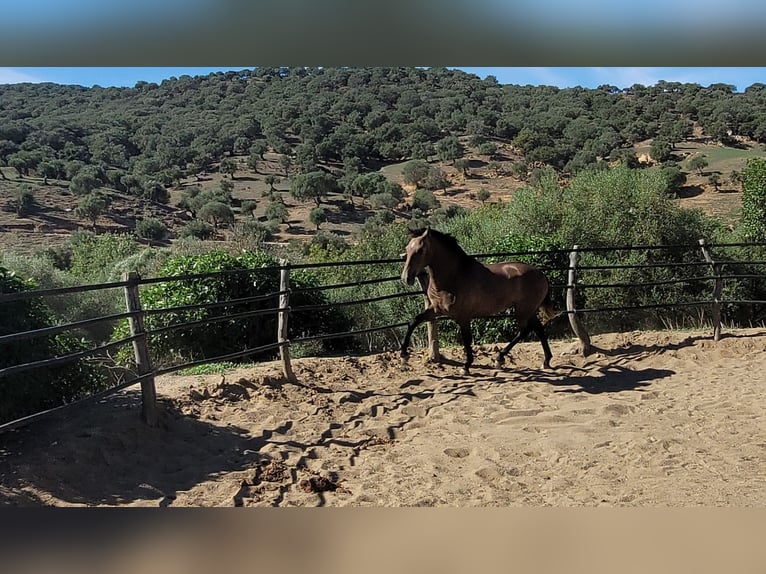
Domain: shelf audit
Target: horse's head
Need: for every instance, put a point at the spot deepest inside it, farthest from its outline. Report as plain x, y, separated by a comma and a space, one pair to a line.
417, 256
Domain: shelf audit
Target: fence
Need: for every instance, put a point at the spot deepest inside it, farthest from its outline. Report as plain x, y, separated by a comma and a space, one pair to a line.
566, 270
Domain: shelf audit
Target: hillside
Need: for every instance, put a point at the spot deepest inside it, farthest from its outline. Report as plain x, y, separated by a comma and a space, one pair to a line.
52, 219
237, 129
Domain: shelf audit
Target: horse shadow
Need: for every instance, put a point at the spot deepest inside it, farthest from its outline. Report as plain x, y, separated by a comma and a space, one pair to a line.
609, 377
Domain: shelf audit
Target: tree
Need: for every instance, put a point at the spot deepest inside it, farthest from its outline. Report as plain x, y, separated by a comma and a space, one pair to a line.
216, 212
91, 207
449, 149
197, 229
258, 148
248, 206
271, 180
306, 157
661, 150
85, 181
383, 200
24, 200
698, 163
424, 200
318, 216
189, 201
277, 211
715, 180
286, 162
155, 191
436, 179
228, 167
253, 159
463, 164
627, 156
675, 178
482, 195
754, 200
315, 186
47, 169
415, 171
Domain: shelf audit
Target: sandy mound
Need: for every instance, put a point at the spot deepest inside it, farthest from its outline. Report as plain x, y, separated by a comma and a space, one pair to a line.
654, 419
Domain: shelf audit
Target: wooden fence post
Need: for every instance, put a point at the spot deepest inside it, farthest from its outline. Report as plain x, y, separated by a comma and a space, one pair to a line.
717, 290
574, 320
284, 312
433, 333
149, 412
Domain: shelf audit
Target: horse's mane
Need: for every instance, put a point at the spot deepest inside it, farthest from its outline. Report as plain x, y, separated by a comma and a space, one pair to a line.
447, 240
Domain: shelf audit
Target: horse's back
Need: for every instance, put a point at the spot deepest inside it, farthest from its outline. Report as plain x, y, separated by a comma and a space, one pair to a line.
514, 269
526, 284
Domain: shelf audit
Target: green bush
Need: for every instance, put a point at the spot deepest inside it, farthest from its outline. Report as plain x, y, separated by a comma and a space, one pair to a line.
233, 277
39, 389
151, 228
94, 257
754, 200
68, 307
197, 229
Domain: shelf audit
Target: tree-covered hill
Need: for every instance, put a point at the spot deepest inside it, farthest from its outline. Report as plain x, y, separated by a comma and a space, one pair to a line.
341, 115
281, 127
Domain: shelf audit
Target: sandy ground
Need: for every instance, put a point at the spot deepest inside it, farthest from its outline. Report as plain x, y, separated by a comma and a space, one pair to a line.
666, 419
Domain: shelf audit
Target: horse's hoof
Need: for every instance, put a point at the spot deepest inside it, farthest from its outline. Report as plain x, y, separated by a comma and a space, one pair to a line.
466, 372
403, 358
547, 365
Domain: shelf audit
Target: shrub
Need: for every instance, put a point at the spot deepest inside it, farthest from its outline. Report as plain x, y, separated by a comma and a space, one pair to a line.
42, 388
24, 200
152, 229
424, 200
68, 307
754, 200
93, 257
231, 277
197, 229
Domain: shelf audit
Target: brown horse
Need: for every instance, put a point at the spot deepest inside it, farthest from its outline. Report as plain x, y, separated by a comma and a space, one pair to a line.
462, 288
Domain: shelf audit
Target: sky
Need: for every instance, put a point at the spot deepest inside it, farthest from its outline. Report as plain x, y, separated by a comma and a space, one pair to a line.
562, 77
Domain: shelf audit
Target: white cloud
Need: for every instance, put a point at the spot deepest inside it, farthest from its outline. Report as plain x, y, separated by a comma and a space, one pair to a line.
11, 76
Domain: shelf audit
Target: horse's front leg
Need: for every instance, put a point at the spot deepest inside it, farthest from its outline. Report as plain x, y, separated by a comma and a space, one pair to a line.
433, 334
428, 315
467, 335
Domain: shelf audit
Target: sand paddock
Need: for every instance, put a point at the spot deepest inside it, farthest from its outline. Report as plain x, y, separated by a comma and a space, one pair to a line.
654, 419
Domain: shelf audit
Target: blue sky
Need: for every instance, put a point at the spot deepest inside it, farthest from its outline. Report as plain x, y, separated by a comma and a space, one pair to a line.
563, 77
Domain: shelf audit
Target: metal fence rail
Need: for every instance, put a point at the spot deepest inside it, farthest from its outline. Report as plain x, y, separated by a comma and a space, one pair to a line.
571, 287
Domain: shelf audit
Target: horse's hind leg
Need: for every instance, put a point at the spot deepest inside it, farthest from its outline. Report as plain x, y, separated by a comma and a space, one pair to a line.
500, 359
467, 335
535, 325
540, 331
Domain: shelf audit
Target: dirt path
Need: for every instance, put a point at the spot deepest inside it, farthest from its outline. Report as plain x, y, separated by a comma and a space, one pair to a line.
655, 419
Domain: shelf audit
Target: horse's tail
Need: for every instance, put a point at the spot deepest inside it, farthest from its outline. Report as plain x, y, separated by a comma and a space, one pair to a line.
547, 310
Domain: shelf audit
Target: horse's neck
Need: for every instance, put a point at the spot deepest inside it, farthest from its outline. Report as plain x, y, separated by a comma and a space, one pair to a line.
445, 274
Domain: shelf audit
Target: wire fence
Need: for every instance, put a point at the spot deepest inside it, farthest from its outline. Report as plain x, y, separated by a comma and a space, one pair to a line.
592, 281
